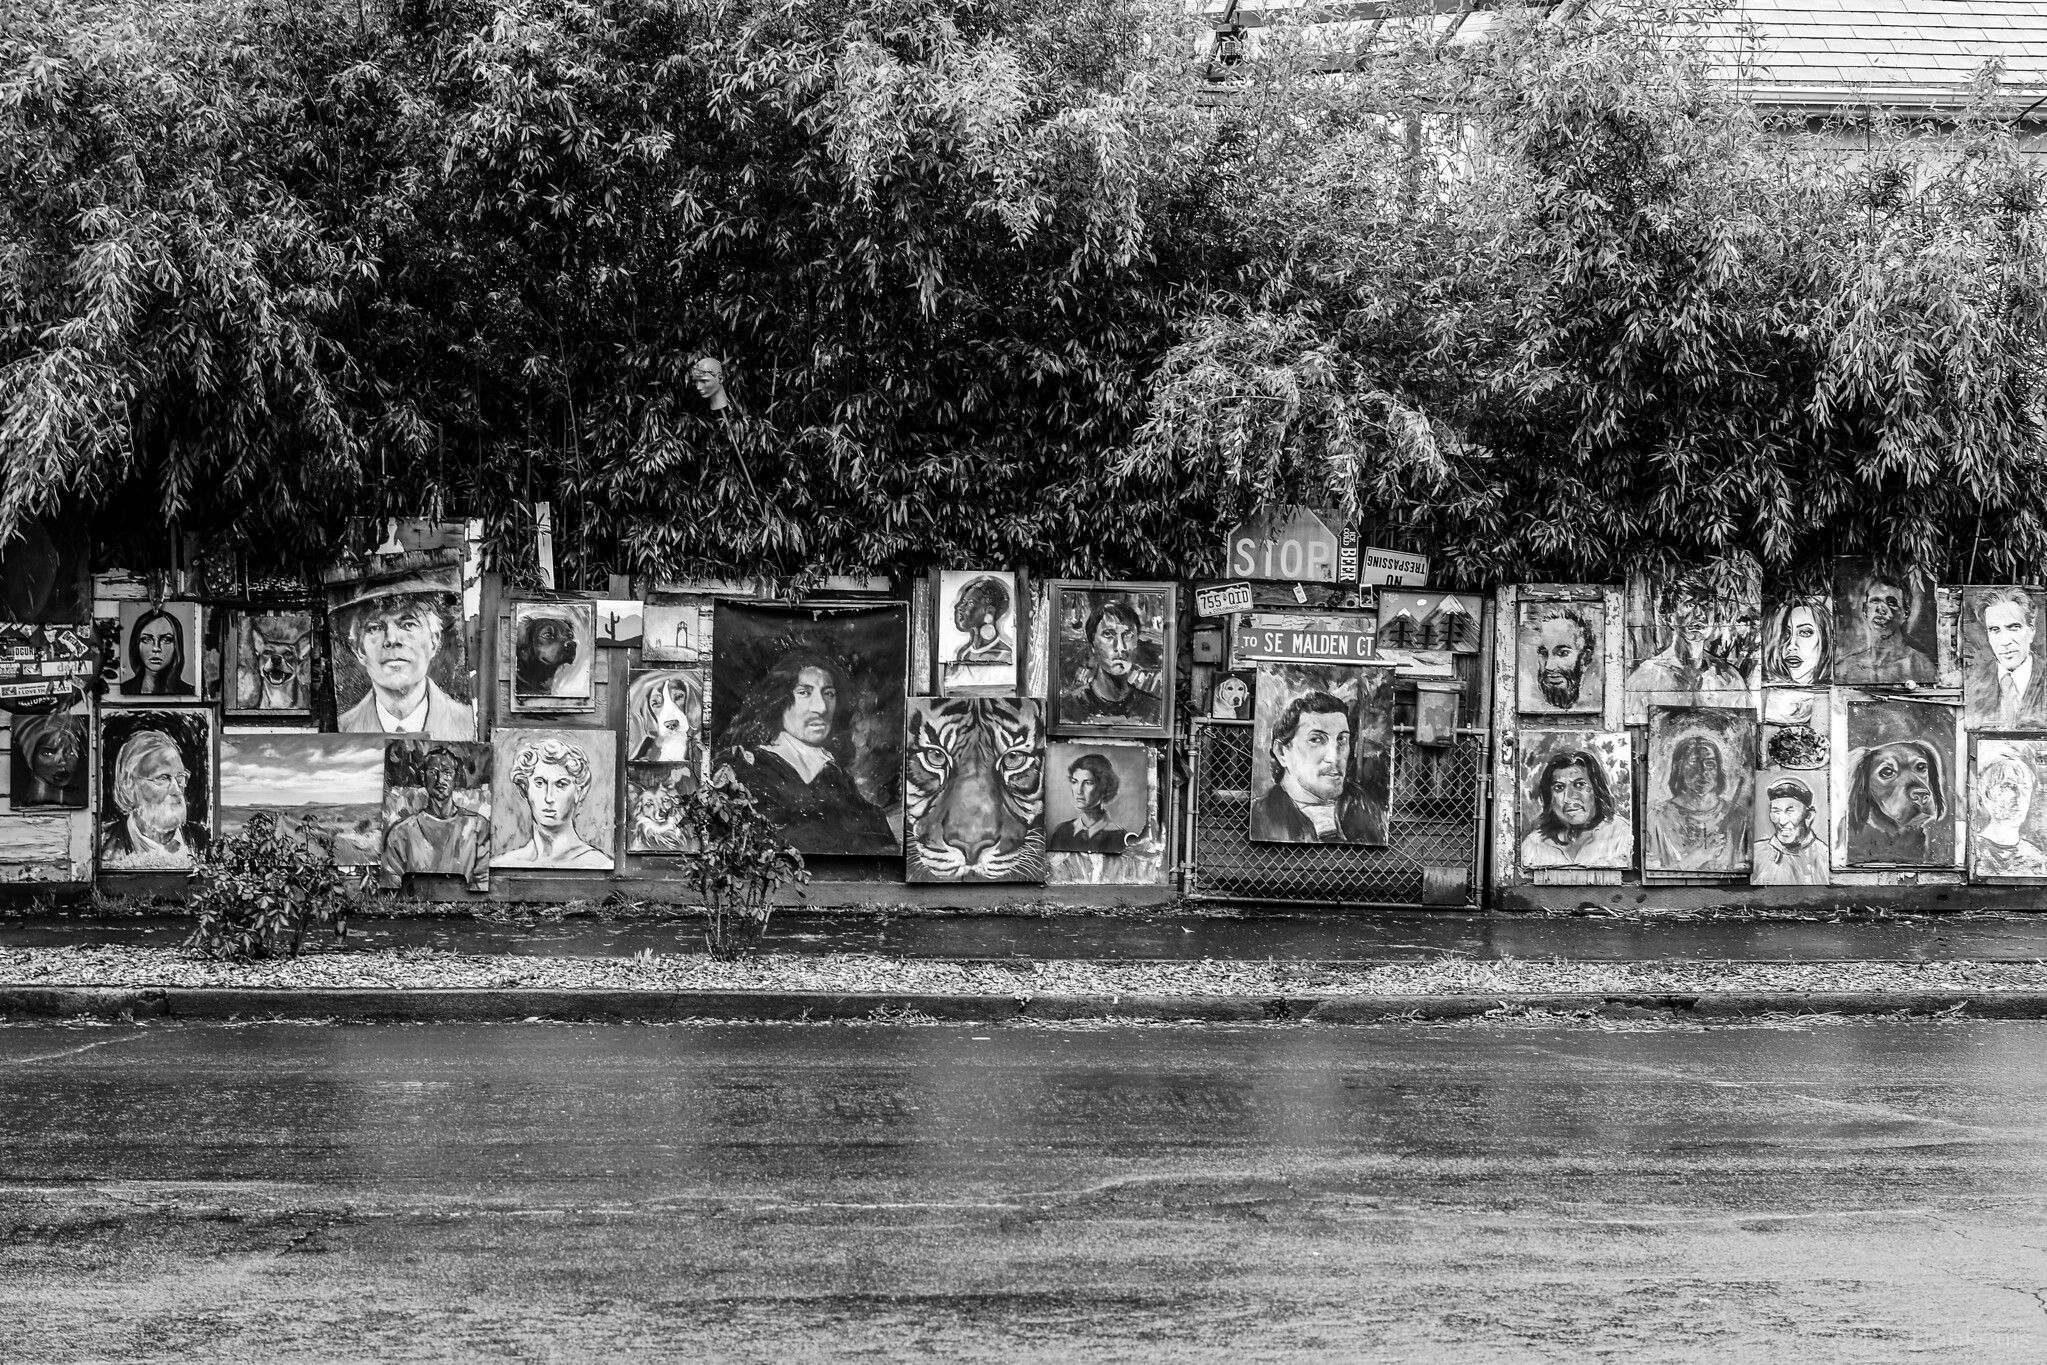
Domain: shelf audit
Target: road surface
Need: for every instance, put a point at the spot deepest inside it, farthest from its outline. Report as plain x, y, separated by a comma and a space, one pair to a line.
1837, 1192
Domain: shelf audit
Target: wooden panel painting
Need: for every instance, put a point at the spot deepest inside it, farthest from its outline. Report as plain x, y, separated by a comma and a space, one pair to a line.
269, 663
48, 762
553, 648
553, 799
1886, 627
2004, 654
1691, 642
1894, 785
2008, 809
1797, 645
1560, 650
1577, 800
326, 791
974, 790
1701, 771
654, 821
977, 615
401, 655
665, 716
1124, 845
1790, 824
159, 653
436, 811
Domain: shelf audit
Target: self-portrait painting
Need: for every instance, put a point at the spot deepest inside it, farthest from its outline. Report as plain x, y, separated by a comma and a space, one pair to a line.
553, 799
1791, 846
2008, 808
2004, 658
1894, 785
665, 716
974, 790
401, 656
1113, 658
1886, 627
1701, 768
270, 658
976, 615
160, 653
654, 818
156, 785
1798, 641
324, 791
1321, 758
1692, 642
436, 811
553, 646
1102, 819
47, 762
807, 708
1577, 803
1560, 656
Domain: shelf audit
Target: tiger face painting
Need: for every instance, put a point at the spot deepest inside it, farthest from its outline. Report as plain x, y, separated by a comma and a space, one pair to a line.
973, 789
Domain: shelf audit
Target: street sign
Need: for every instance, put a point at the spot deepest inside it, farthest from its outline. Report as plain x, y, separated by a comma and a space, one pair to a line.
1299, 546
1222, 599
1395, 568
1286, 637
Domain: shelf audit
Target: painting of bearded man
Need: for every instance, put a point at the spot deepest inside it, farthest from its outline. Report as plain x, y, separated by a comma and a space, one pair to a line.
1561, 657
159, 813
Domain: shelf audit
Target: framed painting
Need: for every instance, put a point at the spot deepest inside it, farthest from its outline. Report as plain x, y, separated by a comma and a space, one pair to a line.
1113, 652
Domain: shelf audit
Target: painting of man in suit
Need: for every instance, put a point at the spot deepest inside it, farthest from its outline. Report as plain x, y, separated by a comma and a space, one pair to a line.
2004, 683
400, 658
1319, 767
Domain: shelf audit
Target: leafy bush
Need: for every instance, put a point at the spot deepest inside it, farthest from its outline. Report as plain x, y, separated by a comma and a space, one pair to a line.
256, 893
738, 863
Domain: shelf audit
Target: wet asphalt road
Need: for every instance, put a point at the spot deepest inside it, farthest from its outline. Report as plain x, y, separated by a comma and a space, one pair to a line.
1851, 1192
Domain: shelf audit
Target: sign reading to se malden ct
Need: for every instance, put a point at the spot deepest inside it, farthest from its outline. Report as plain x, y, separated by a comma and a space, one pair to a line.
1291, 638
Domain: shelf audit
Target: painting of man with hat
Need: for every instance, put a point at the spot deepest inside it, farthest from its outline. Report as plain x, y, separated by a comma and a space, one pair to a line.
398, 670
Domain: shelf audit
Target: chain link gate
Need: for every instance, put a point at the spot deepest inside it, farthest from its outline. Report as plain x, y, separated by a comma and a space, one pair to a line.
1435, 830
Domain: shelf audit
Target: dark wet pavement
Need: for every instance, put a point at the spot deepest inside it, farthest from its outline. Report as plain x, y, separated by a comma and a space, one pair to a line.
1382, 936
1843, 1192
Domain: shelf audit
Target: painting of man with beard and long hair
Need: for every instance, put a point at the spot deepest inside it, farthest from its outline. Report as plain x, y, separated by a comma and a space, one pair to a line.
1562, 658
1577, 800
157, 779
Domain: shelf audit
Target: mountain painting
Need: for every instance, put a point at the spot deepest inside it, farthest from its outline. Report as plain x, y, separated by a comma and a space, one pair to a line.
326, 791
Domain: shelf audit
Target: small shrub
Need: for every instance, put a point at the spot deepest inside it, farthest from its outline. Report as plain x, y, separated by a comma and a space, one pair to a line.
256, 894
739, 861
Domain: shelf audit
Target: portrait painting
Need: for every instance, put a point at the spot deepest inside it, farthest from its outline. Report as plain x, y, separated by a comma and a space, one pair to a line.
1321, 755
665, 716
976, 615
1797, 725
1798, 641
47, 758
2004, 659
1435, 714
676, 632
1696, 809
156, 789
1231, 696
1691, 642
325, 791
974, 790
160, 654
1560, 658
1577, 800
1444, 621
1125, 844
1113, 648
654, 818
553, 644
553, 799
2008, 808
1790, 822
1886, 627
400, 650
807, 707
1894, 785
436, 811
269, 667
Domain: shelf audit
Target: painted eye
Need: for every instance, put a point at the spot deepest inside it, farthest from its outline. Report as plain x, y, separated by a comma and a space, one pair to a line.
936, 759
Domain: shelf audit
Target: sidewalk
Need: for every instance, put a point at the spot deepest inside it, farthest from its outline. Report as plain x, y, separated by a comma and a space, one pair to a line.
995, 969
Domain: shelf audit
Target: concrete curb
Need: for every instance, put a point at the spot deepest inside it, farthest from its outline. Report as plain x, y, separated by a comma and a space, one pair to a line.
620, 1006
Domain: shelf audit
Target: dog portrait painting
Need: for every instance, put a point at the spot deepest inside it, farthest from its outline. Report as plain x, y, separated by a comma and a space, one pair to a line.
270, 663
552, 646
1895, 778
665, 716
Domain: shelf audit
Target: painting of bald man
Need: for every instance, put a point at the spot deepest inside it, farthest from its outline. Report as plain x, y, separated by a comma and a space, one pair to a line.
2004, 679
1886, 627
1561, 657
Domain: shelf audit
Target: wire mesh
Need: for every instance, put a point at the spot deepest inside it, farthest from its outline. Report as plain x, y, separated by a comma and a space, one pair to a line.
1434, 822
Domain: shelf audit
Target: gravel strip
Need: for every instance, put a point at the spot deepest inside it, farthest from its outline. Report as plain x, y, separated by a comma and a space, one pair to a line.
863, 973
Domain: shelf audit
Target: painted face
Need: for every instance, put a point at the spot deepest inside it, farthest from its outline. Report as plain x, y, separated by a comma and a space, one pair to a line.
551, 796
1901, 785
1689, 622
396, 648
2003, 802
1801, 644
657, 804
2010, 638
1114, 643
1559, 660
1317, 758
1788, 817
1572, 797
1084, 785
440, 780
157, 643
1697, 770
160, 794
553, 643
812, 707
1883, 606
54, 757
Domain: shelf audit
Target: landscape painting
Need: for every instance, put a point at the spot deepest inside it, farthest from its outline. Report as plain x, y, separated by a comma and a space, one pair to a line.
327, 791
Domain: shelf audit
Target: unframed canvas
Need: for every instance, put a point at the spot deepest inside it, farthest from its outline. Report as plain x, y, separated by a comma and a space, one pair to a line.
553, 799
1886, 627
436, 811
1701, 768
1690, 644
1560, 657
161, 654
269, 664
1577, 800
49, 762
977, 616
149, 820
399, 642
326, 791
1321, 758
2004, 653
974, 791
2008, 808
1133, 851
1894, 782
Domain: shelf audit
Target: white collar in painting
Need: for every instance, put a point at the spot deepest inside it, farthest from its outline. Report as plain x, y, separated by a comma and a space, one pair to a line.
403, 725
807, 759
